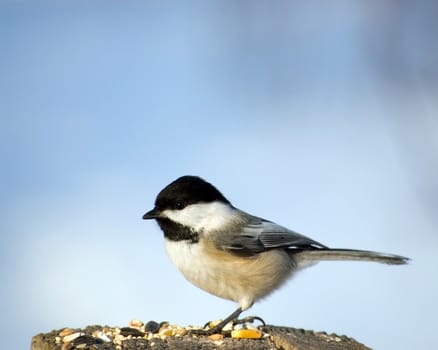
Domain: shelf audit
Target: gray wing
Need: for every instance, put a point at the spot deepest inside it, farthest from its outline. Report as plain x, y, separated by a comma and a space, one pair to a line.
259, 235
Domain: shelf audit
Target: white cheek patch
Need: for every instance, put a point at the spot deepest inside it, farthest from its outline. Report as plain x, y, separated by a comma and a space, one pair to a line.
202, 216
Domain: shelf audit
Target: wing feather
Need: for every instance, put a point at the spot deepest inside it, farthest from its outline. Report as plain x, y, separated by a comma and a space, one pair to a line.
259, 235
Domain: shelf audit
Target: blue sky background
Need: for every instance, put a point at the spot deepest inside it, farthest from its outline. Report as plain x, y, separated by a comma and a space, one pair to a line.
321, 116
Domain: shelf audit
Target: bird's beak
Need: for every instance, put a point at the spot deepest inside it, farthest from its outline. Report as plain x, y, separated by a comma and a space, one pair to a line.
151, 214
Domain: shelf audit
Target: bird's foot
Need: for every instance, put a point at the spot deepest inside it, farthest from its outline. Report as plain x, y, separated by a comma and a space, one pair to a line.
250, 319
225, 328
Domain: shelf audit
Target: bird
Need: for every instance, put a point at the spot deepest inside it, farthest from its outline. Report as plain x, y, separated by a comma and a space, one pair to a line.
232, 254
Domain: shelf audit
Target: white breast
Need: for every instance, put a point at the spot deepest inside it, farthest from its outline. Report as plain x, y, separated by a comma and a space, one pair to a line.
188, 258
241, 279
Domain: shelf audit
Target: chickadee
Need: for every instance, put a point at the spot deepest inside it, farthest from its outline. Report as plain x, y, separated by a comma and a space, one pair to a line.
232, 254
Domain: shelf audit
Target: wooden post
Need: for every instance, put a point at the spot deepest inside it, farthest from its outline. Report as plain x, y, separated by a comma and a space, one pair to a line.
130, 338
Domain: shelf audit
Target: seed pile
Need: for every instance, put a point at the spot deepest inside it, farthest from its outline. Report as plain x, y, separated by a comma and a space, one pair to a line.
69, 338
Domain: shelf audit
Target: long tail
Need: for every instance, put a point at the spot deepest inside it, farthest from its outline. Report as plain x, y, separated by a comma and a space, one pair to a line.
312, 256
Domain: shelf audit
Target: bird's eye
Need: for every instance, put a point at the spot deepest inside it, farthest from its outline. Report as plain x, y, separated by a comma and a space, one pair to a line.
179, 205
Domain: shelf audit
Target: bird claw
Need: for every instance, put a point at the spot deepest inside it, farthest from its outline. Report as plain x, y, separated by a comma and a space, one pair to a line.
219, 328
250, 319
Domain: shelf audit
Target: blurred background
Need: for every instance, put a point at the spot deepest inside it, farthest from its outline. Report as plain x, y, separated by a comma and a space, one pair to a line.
321, 116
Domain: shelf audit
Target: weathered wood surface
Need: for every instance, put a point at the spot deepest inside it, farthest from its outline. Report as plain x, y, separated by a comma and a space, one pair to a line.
130, 339
299, 339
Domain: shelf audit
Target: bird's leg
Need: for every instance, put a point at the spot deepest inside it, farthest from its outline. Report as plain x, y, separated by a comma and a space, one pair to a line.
223, 323
220, 325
